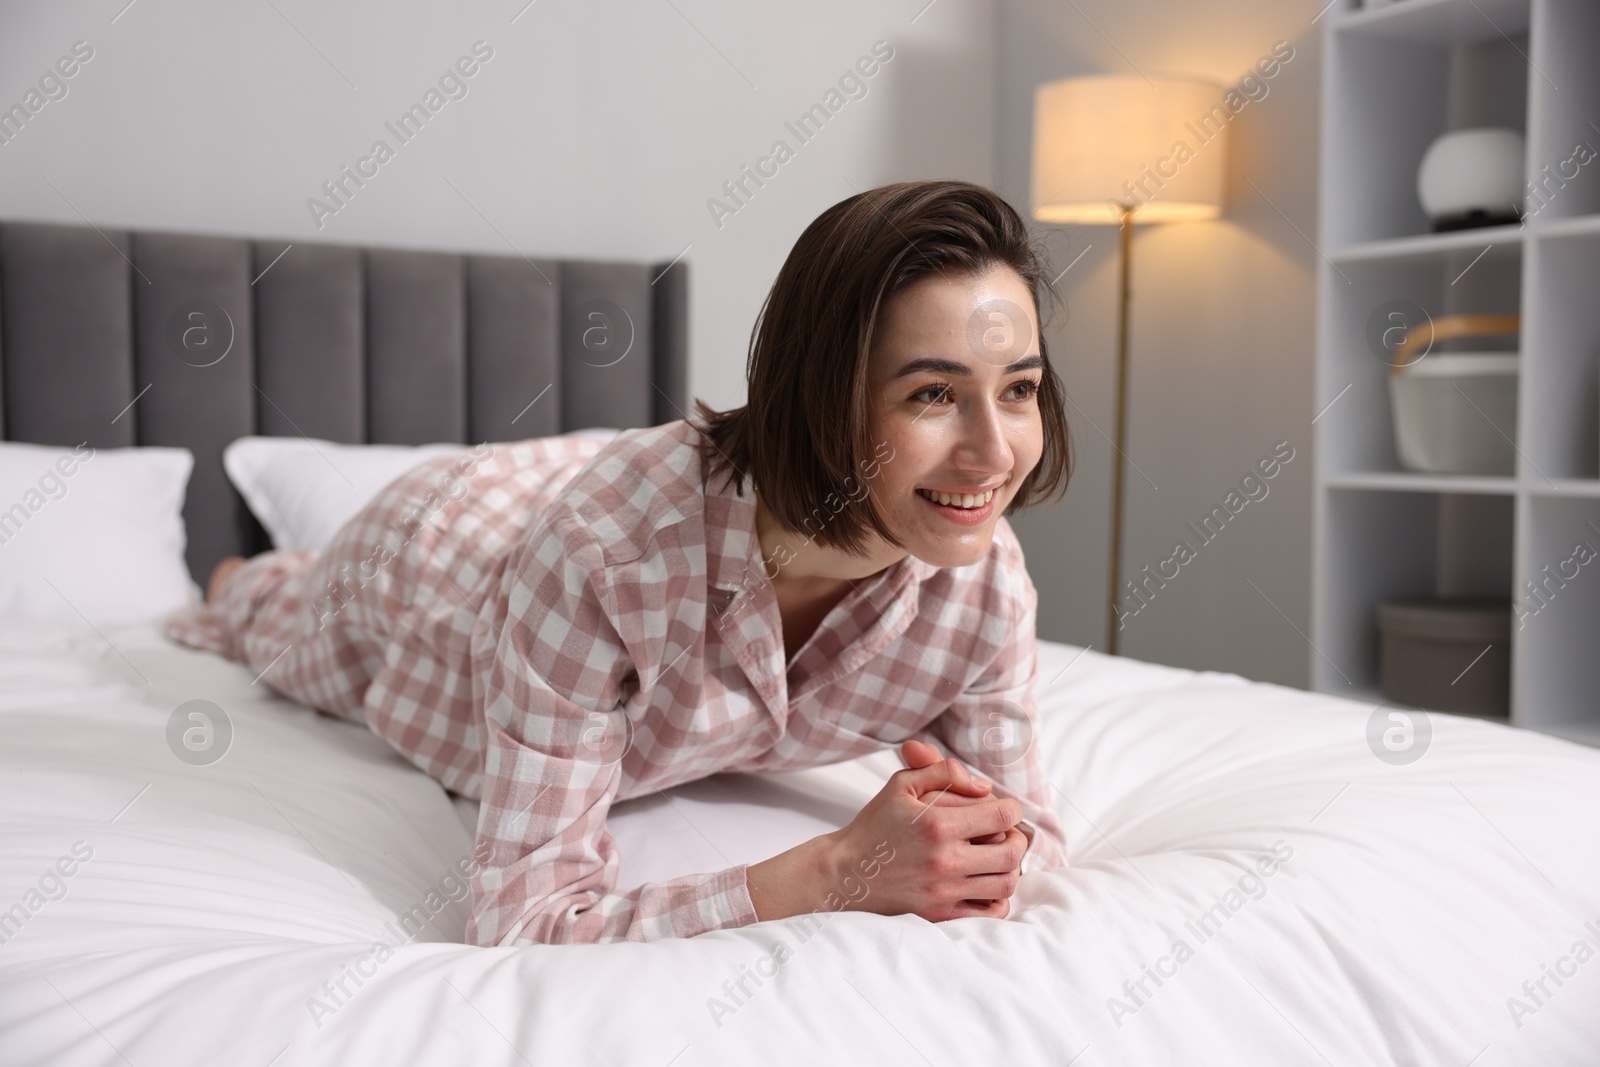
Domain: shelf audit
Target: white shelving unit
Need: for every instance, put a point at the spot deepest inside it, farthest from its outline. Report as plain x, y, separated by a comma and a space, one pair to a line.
1395, 78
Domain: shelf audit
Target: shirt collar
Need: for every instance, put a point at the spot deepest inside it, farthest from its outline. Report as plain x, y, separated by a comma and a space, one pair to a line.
731, 533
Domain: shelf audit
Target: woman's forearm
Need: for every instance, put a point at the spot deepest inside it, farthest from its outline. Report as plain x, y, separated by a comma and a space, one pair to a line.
793, 882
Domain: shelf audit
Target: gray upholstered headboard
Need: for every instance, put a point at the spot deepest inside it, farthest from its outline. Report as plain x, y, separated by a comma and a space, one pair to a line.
117, 338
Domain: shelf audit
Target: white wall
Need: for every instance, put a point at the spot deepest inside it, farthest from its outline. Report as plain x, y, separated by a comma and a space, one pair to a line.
597, 129
1221, 341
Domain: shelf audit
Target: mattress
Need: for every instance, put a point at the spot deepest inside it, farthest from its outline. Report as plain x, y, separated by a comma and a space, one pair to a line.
1250, 883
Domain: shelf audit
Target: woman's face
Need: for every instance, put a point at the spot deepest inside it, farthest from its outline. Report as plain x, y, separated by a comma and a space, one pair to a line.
954, 393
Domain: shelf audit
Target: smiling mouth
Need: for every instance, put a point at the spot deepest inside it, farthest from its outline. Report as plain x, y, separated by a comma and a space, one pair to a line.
958, 500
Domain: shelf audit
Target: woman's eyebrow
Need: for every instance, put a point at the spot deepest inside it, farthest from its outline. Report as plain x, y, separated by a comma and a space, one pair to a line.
948, 366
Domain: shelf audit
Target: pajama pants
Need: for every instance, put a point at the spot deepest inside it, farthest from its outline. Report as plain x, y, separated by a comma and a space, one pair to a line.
382, 625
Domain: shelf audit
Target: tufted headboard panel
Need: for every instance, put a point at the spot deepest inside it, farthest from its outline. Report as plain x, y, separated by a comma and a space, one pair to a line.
119, 338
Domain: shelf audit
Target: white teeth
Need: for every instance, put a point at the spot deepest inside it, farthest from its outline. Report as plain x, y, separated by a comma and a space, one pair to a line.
959, 500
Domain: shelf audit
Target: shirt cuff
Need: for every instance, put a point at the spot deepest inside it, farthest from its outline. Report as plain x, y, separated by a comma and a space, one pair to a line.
1028, 854
741, 909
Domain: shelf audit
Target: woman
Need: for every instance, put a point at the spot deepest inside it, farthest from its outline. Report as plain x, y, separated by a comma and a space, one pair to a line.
562, 624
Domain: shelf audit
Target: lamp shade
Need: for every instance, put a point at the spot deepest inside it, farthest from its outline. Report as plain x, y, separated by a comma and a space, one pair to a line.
1108, 143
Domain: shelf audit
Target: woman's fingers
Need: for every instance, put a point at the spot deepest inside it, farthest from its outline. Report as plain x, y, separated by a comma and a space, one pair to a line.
968, 821
947, 774
991, 886
919, 754
980, 909
999, 858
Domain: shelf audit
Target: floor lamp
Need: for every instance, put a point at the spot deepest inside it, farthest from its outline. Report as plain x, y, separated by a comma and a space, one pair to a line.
1112, 150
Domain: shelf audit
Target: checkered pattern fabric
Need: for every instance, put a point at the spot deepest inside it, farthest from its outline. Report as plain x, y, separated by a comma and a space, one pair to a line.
555, 625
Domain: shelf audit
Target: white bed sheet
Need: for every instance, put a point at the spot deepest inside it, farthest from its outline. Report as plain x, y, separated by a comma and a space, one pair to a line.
1414, 903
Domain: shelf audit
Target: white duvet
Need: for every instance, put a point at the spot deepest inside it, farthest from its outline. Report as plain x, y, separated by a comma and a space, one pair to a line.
1249, 884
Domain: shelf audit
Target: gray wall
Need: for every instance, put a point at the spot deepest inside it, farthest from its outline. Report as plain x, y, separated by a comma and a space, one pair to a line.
602, 129
1222, 337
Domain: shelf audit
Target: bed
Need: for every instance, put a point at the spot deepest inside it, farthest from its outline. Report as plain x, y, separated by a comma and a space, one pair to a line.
1252, 881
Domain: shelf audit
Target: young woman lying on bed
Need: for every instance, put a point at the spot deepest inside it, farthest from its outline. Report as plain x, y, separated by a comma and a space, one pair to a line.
806, 579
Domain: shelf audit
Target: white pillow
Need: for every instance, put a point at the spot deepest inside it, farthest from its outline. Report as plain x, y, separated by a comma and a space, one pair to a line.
303, 490
93, 535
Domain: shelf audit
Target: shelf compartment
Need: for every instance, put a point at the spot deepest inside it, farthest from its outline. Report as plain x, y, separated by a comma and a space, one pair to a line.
1397, 94
1381, 545
1355, 430
1555, 672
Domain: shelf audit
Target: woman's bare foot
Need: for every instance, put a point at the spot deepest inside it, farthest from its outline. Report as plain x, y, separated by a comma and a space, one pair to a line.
220, 575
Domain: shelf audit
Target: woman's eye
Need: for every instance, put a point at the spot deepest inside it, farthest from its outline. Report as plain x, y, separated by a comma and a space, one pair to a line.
1024, 390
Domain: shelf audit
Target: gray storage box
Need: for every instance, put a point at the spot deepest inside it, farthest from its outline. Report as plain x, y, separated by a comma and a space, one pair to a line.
1428, 644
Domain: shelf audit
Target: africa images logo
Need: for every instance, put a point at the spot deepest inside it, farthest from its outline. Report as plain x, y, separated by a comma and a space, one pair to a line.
199, 732
1398, 737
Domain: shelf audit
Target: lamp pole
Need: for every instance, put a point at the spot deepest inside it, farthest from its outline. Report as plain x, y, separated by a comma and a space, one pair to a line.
1119, 460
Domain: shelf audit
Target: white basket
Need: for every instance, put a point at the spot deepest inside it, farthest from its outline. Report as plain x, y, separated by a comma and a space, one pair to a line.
1456, 413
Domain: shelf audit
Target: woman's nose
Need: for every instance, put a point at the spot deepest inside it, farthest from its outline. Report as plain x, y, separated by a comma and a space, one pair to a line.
984, 447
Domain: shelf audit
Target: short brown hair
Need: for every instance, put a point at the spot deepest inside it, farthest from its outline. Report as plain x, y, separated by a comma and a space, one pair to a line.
805, 426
